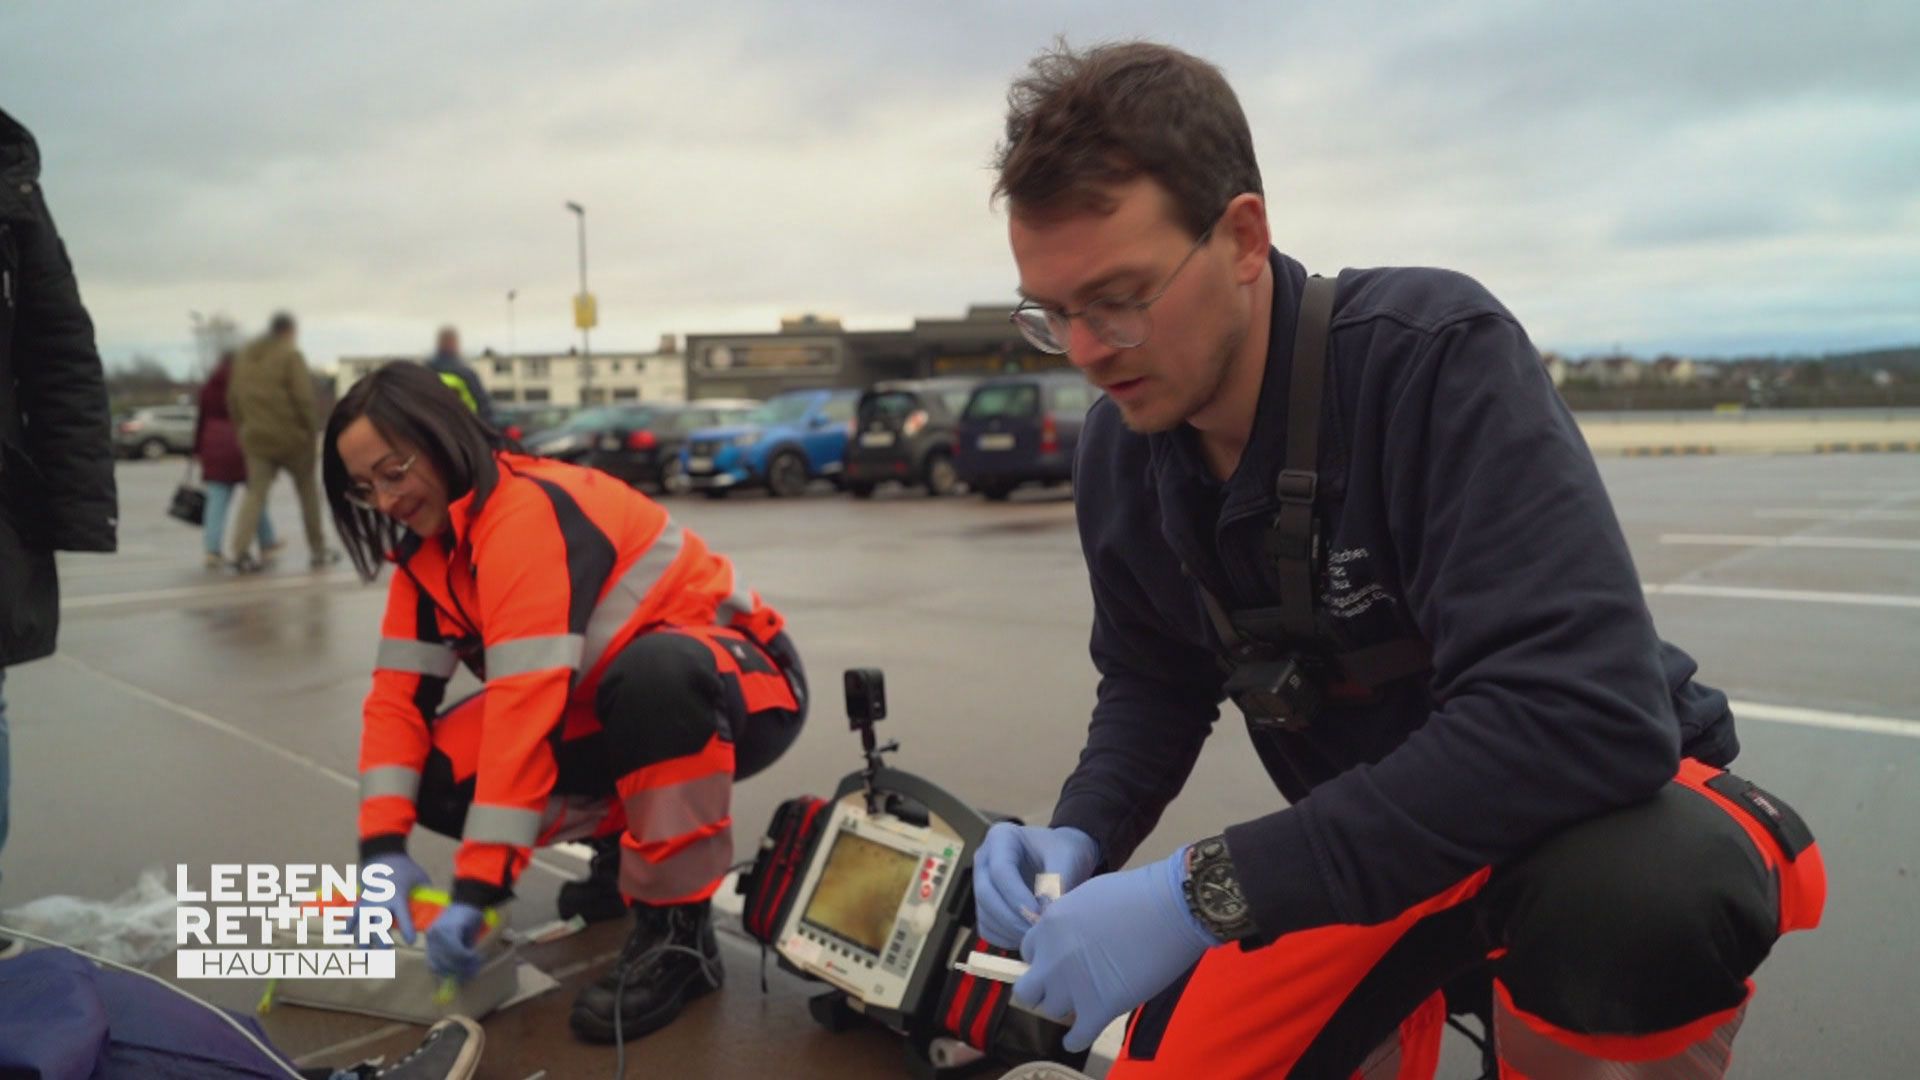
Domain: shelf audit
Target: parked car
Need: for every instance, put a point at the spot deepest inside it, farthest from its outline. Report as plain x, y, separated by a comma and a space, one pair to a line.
1021, 429
782, 445
155, 431
523, 422
637, 443
903, 431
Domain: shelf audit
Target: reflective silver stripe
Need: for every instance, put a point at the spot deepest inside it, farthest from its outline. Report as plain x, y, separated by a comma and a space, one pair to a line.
1531, 1053
684, 875
656, 815
572, 817
416, 657
627, 594
502, 825
526, 654
389, 780
738, 603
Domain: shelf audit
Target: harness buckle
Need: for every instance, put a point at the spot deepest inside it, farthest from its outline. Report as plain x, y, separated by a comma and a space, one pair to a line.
1296, 485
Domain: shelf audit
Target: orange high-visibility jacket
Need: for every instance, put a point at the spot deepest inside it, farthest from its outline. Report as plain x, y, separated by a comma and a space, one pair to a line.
535, 590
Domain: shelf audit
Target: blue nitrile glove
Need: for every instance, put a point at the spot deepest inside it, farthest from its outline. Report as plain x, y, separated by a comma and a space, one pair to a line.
1003, 871
450, 941
1110, 945
407, 876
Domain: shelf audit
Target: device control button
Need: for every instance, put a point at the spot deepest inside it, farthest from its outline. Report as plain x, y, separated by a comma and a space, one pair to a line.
922, 918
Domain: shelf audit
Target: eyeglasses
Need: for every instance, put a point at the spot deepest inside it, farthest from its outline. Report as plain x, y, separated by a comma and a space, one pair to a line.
1123, 324
388, 481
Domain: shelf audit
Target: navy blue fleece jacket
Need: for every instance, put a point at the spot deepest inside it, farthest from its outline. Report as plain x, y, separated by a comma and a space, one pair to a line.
1457, 503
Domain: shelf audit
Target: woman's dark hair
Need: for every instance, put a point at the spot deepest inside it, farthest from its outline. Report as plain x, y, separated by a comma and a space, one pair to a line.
408, 405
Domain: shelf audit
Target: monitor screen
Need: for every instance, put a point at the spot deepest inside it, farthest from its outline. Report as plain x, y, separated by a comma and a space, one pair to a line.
858, 895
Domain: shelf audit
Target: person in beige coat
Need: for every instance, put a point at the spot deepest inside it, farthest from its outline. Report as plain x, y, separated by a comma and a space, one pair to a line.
271, 401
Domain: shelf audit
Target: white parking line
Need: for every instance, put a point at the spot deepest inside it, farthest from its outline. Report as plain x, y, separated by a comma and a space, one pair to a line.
1797, 596
1790, 513
1860, 543
1819, 718
77, 570
187, 712
233, 590
294, 757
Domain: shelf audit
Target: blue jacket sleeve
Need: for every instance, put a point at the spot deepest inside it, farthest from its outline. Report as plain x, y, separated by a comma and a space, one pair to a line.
1158, 694
1550, 703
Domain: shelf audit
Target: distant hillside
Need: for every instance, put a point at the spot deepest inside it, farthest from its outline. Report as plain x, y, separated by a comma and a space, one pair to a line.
1902, 360
1905, 360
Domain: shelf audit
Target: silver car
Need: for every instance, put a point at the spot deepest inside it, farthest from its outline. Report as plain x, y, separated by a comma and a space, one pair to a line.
155, 431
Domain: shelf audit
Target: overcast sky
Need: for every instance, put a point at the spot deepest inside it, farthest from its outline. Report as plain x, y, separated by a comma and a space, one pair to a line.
1710, 178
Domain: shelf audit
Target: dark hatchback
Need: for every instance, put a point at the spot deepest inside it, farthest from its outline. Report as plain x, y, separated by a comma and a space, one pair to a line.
523, 422
1021, 429
637, 443
903, 432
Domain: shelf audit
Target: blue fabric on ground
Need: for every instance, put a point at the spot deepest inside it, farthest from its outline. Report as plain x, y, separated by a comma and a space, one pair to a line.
61, 1018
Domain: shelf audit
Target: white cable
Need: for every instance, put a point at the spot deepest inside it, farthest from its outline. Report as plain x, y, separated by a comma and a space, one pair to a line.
215, 1010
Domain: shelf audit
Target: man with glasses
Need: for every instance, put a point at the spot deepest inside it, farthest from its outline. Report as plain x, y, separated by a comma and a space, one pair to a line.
1357, 508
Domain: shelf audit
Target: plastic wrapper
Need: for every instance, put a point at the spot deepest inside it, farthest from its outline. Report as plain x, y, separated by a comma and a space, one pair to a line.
137, 927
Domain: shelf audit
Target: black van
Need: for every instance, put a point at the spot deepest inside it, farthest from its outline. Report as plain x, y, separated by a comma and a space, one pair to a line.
1020, 429
903, 431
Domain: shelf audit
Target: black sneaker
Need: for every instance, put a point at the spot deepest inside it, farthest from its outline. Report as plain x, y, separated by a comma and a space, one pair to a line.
596, 899
451, 1051
670, 959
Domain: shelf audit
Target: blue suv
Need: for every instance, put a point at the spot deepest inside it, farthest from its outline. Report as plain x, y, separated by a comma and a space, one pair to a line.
782, 445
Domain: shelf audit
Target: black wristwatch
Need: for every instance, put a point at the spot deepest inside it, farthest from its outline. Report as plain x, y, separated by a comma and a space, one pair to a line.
1213, 891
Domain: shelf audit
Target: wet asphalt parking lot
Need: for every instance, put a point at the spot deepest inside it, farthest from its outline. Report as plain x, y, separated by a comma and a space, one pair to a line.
195, 717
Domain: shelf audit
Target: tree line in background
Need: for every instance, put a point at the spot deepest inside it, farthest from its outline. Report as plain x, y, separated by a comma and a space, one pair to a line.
1872, 378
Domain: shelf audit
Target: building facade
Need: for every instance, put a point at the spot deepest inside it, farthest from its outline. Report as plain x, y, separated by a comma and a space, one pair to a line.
805, 353
560, 378
811, 353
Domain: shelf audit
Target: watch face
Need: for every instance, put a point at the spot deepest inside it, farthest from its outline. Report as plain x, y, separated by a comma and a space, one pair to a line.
1214, 893
1218, 895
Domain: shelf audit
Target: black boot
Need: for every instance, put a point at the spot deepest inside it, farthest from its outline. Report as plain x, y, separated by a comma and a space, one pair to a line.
596, 899
671, 958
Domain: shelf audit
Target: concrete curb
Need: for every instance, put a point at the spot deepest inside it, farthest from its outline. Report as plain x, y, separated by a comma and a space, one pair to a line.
1868, 448
1687, 450
1704, 436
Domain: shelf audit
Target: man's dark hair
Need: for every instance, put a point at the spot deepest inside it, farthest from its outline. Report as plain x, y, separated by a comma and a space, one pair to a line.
1079, 123
407, 404
282, 324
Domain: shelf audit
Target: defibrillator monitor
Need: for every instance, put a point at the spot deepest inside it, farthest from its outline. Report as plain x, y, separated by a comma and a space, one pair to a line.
870, 901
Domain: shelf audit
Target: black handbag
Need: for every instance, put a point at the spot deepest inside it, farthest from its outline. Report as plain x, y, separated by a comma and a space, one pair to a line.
189, 500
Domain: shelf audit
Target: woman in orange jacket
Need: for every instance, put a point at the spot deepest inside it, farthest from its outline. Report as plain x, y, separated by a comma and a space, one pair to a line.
630, 678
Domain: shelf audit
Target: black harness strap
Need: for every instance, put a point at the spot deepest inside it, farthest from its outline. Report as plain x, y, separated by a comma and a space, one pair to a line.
1290, 542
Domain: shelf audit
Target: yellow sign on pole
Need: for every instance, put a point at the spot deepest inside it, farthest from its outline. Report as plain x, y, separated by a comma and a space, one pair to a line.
586, 313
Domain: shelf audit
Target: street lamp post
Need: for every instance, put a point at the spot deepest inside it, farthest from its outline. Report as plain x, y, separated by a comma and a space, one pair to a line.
200, 336
513, 345
581, 310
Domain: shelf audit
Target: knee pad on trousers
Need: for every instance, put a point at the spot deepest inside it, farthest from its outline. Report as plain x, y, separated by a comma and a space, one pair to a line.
1639, 921
661, 698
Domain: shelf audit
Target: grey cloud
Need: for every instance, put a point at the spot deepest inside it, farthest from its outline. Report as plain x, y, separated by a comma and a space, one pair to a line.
382, 168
